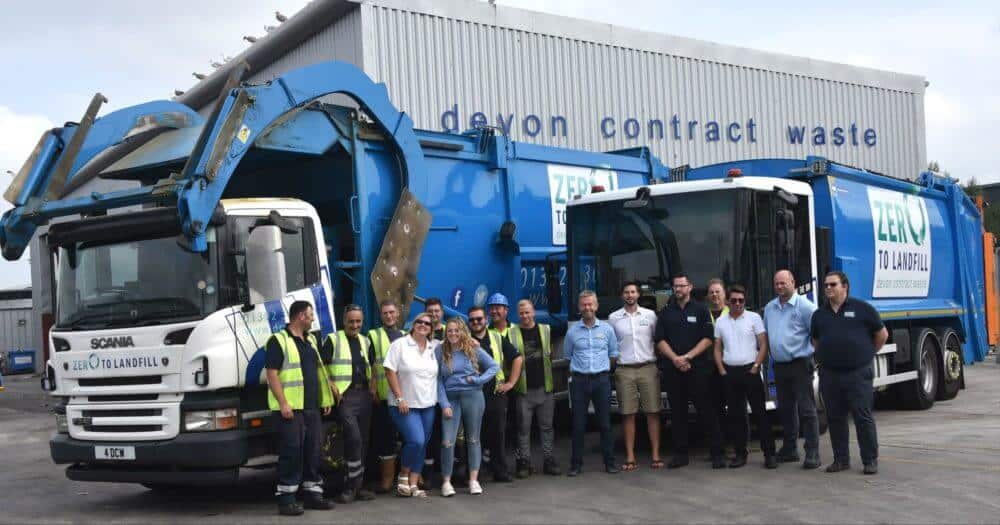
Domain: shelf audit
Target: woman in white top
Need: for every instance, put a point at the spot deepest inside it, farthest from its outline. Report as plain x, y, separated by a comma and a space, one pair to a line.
411, 369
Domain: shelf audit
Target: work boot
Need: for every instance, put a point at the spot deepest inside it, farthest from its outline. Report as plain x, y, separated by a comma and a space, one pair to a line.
838, 466
788, 456
551, 468
387, 470
871, 468
738, 461
812, 460
523, 469
290, 509
346, 497
770, 462
316, 502
364, 495
718, 462
502, 476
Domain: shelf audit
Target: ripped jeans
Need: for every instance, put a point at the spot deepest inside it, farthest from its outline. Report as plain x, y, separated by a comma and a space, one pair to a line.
467, 408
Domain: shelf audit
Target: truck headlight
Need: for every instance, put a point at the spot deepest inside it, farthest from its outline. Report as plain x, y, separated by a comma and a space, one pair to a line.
62, 425
209, 420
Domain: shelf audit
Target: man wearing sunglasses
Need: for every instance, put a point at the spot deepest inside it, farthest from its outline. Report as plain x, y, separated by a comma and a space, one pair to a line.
847, 333
740, 350
383, 446
494, 433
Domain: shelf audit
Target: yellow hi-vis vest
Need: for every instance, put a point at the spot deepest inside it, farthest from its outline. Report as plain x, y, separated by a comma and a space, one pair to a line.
516, 339
340, 369
290, 375
380, 346
496, 347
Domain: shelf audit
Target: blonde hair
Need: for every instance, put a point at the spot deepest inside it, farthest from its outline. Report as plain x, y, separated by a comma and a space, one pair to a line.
466, 344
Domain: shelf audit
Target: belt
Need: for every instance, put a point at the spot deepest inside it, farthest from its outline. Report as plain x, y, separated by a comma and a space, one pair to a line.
793, 361
596, 374
748, 365
636, 365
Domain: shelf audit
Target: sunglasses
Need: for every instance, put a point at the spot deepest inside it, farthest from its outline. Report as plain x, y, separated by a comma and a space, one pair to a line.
421, 322
737, 301
830, 285
476, 319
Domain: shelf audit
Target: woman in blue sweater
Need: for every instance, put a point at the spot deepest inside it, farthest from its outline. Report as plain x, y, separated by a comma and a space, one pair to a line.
463, 368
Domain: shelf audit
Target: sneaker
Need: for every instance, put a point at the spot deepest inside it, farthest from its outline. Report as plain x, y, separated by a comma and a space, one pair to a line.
871, 468
838, 466
812, 460
475, 488
447, 490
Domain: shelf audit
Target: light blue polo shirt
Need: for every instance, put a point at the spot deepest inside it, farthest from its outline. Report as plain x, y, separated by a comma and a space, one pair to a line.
590, 348
788, 328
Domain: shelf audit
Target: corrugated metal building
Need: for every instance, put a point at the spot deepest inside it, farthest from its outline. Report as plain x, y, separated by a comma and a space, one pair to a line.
454, 64
16, 325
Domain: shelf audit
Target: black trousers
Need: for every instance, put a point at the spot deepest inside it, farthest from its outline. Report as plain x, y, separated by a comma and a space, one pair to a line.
851, 393
494, 434
355, 411
683, 387
793, 381
584, 390
741, 387
300, 440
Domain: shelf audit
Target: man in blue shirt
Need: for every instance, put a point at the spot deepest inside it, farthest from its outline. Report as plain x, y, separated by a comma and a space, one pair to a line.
591, 348
788, 318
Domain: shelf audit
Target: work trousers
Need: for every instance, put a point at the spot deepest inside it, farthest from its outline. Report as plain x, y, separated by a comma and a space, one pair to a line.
584, 390
494, 434
300, 440
467, 409
850, 392
683, 387
355, 411
741, 387
415, 427
793, 381
541, 405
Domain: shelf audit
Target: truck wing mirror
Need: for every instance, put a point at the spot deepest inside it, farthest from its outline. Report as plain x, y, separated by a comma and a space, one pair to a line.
641, 199
265, 264
786, 197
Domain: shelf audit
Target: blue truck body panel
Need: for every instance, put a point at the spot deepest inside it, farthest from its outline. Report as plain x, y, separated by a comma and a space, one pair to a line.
847, 201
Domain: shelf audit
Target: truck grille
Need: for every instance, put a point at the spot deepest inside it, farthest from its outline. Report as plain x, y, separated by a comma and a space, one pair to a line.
121, 381
136, 421
123, 398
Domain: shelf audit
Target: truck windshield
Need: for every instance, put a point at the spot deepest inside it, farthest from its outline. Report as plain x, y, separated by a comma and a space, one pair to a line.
695, 233
138, 282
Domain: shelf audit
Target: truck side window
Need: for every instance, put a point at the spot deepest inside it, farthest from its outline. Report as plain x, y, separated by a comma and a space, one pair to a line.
301, 258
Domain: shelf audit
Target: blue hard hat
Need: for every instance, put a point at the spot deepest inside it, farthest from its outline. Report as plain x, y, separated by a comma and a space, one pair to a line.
498, 299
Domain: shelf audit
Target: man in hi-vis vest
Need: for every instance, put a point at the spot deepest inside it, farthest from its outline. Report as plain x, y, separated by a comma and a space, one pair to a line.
383, 440
347, 355
298, 389
534, 343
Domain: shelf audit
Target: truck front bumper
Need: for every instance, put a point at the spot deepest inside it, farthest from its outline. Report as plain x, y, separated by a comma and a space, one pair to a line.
190, 458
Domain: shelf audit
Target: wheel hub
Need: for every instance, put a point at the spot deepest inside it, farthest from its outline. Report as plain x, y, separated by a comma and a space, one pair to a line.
952, 366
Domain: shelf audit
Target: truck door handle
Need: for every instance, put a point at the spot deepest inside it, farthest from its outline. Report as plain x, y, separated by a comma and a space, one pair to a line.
354, 214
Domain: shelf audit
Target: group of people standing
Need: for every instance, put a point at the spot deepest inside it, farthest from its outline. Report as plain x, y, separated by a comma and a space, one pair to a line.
438, 378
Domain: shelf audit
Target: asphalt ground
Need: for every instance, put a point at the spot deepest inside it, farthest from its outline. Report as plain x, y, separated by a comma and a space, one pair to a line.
936, 466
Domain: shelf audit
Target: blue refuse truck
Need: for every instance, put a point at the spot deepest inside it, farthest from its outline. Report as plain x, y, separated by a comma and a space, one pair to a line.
913, 248
166, 291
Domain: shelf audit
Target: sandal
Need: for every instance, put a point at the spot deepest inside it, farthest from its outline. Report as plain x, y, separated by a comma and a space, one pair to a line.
656, 464
403, 487
417, 492
630, 466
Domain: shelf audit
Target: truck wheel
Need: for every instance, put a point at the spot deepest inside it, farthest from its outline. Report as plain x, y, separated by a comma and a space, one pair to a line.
921, 393
953, 369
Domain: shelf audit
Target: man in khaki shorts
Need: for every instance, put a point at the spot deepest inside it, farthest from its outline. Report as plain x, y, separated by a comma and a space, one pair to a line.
637, 379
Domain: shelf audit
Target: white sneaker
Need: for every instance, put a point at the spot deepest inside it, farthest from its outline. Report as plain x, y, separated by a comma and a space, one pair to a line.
475, 488
447, 490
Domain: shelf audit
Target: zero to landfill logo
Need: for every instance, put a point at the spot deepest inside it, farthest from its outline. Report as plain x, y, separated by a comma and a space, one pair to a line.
902, 235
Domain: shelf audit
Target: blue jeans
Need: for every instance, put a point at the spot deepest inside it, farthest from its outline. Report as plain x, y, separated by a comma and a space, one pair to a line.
584, 389
467, 409
415, 427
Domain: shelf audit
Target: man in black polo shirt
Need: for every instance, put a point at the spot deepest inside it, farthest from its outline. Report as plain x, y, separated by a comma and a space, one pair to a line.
846, 333
494, 432
683, 337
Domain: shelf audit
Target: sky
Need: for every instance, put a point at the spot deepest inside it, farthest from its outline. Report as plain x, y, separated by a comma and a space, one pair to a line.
55, 55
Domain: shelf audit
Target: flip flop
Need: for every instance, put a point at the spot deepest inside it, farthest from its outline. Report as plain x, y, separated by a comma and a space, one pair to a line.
656, 464
629, 466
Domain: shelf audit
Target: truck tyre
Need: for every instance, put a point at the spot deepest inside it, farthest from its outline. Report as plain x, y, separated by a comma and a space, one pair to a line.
921, 393
953, 367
